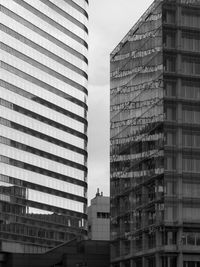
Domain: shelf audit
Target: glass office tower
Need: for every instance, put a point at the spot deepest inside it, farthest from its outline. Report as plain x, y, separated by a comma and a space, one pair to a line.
155, 139
43, 123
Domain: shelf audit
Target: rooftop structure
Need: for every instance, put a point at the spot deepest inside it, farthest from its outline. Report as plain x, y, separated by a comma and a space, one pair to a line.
99, 218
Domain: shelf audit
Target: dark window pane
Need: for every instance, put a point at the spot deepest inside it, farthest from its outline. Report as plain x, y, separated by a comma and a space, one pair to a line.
191, 239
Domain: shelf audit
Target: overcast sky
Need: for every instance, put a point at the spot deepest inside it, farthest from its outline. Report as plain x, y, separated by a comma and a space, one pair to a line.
109, 21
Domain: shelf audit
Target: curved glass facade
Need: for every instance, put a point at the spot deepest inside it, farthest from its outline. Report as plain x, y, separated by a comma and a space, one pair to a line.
43, 123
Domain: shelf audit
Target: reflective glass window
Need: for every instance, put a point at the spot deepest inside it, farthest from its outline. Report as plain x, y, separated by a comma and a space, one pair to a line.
42, 111
169, 16
170, 88
169, 39
40, 179
82, 3
190, 17
191, 139
71, 11
41, 58
53, 200
191, 65
191, 164
63, 21
190, 89
171, 188
56, 48
170, 163
42, 75
44, 163
171, 138
41, 127
191, 41
42, 24
191, 239
27, 86
191, 190
191, 116
171, 113
170, 63
41, 144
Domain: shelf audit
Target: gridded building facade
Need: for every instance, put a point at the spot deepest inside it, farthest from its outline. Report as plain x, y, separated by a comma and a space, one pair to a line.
43, 123
155, 139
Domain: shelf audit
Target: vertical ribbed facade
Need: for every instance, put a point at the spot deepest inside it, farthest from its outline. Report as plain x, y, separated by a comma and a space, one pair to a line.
43, 122
155, 139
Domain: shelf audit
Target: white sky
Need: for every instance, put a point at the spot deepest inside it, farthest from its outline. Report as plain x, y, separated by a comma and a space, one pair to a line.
109, 22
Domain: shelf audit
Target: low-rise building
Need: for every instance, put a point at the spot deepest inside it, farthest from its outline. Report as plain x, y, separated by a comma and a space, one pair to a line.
99, 217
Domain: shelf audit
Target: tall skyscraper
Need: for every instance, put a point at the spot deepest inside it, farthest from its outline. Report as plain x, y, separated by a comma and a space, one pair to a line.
155, 139
43, 123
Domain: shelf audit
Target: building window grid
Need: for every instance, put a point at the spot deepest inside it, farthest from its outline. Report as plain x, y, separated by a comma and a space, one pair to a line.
170, 63
103, 215
169, 16
191, 115
190, 90
191, 139
173, 261
170, 88
191, 65
169, 39
190, 17
191, 41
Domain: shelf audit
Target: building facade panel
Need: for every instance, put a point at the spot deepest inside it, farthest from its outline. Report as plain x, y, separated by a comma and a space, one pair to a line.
154, 139
43, 103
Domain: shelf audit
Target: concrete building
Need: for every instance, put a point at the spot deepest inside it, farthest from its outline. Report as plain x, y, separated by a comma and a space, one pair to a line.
155, 139
43, 123
99, 218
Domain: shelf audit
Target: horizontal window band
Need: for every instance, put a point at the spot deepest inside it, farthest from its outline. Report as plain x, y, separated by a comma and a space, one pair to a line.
29, 222
42, 180
41, 101
42, 84
43, 163
38, 234
43, 119
43, 220
49, 37
42, 136
55, 220
65, 15
42, 50
77, 7
55, 209
24, 185
56, 217
39, 170
41, 153
11, 195
42, 67
30, 203
27, 204
51, 22
30, 240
